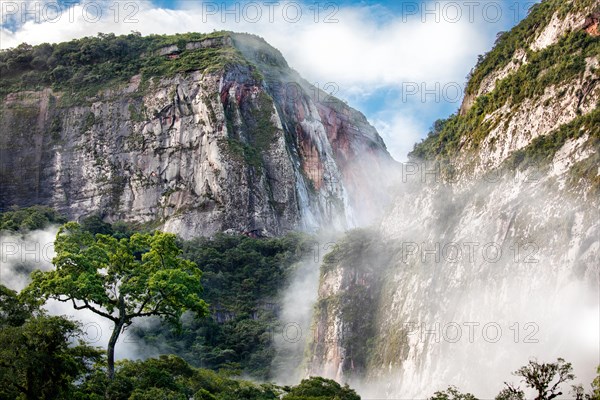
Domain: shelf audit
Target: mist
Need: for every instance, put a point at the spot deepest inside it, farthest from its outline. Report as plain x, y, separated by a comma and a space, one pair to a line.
471, 279
295, 318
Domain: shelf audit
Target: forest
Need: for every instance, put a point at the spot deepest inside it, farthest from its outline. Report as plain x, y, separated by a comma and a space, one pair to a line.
45, 356
217, 298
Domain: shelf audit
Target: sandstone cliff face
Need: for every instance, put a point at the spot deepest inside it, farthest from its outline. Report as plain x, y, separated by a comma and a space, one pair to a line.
484, 262
250, 147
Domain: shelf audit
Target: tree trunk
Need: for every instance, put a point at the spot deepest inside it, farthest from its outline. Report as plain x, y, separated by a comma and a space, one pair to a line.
29, 389
110, 351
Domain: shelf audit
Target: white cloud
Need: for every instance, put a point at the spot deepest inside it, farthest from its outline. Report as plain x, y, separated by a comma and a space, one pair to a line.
362, 52
400, 132
357, 50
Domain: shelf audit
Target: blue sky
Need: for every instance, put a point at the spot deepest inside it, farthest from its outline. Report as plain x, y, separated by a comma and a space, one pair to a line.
402, 63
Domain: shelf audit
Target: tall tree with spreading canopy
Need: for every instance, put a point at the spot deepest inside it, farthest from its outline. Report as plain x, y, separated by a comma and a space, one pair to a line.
121, 279
546, 378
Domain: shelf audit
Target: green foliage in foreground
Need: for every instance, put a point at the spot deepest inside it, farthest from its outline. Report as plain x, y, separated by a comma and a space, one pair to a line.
452, 393
242, 278
170, 377
317, 388
41, 360
596, 385
39, 354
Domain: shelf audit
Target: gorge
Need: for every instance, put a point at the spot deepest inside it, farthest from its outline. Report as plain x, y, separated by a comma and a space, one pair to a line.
454, 268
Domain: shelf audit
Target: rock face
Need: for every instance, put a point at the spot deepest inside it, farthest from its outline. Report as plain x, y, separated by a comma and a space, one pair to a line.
250, 147
490, 253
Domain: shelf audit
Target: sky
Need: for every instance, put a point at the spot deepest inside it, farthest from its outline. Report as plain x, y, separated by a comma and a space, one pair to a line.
402, 63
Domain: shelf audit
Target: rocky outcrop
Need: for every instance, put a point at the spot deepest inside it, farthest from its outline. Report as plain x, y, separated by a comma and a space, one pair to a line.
556, 28
582, 15
196, 152
591, 24
514, 128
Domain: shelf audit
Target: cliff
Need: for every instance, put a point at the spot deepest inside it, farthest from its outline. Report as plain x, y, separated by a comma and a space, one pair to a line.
194, 134
489, 254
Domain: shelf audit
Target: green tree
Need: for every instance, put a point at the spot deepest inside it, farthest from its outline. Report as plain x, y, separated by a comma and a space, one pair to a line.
510, 393
452, 393
37, 358
317, 388
94, 224
121, 279
13, 310
546, 378
170, 377
596, 385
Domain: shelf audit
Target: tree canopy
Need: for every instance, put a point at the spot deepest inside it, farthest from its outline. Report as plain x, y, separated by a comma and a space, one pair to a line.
546, 378
41, 356
317, 388
31, 218
121, 279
